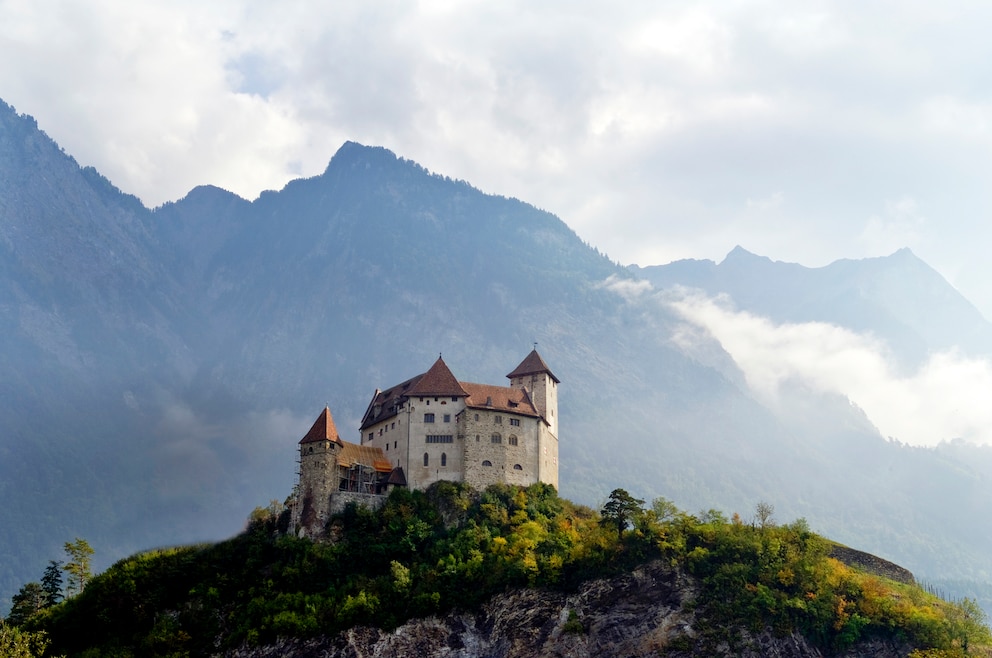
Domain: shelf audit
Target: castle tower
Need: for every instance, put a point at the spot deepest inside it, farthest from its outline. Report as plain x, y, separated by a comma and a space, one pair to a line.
536, 379
534, 375
319, 449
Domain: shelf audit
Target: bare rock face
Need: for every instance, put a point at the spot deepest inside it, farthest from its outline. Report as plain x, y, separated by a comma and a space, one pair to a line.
640, 614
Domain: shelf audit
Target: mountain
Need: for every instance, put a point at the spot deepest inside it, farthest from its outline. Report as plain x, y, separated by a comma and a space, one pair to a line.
899, 298
159, 366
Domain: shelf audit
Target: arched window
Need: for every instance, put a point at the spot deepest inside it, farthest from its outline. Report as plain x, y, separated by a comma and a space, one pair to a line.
444, 459
426, 459
512, 440
518, 467
487, 463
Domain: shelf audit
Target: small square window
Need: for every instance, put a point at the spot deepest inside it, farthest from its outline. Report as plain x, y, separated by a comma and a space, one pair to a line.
428, 418
447, 418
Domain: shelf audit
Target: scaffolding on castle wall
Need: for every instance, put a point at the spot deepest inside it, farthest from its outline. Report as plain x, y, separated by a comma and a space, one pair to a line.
360, 478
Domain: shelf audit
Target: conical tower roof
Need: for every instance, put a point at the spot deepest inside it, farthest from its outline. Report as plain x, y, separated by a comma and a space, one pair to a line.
323, 429
531, 365
438, 381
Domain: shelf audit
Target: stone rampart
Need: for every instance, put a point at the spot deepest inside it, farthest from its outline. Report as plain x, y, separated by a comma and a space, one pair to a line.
872, 564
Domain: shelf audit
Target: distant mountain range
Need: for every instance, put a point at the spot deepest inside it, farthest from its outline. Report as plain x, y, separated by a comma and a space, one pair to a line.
159, 366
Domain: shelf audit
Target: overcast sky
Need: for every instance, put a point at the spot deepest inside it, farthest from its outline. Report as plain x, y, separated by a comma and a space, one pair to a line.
803, 131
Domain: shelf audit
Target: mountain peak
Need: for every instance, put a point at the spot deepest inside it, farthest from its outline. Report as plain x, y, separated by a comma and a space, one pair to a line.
739, 255
353, 153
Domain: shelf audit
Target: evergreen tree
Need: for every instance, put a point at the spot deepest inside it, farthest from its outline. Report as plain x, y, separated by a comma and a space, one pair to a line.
620, 509
78, 566
51, 583
28, 600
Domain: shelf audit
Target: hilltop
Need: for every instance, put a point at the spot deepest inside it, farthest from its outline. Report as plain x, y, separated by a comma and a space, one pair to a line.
508, 571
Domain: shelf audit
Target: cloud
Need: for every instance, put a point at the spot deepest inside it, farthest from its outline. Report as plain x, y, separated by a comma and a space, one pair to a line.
946, 398
656, 130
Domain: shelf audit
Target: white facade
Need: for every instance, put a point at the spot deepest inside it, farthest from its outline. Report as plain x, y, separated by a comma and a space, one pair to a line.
436, 428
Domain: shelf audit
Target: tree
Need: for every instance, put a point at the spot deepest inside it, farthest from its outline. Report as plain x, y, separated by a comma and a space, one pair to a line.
15, 643
763, 514
78, 566
620, 509
51, 583
28, 600
664, 509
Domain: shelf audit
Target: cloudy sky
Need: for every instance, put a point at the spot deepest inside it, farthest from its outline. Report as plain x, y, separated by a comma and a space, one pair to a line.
803, 131
806, 131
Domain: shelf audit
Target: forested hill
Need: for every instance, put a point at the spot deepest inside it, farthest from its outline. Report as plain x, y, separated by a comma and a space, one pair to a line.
159, 366
510, 572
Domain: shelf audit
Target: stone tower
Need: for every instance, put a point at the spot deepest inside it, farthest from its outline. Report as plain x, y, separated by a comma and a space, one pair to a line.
534, 376
319, 449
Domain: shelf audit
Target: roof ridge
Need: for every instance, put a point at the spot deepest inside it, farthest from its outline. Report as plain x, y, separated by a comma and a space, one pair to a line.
532, 364
323, 429
438, 381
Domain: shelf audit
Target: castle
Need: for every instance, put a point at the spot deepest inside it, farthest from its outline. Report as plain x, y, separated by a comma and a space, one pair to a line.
433, 427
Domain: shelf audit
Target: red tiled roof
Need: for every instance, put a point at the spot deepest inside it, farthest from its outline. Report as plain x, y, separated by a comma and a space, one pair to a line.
532, 364
352, 453
437, 381
511, 400
323, 429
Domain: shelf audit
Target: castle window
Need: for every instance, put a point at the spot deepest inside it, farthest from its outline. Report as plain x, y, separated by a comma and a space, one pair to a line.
393, 426
380, 431
427, 459
498, 420
515, 422
518, 467
512, 440
486, 462
444, 459
454, 398
440, 438
428, 418
394, 445
310, 451
387, 446
476, 438
370, 436
496, 438
447, 418
477, 416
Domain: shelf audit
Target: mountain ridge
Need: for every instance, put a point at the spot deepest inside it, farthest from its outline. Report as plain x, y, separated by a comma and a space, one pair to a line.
206, 339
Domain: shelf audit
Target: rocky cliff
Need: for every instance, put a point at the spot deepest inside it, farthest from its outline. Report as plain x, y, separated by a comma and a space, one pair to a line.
646, 612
